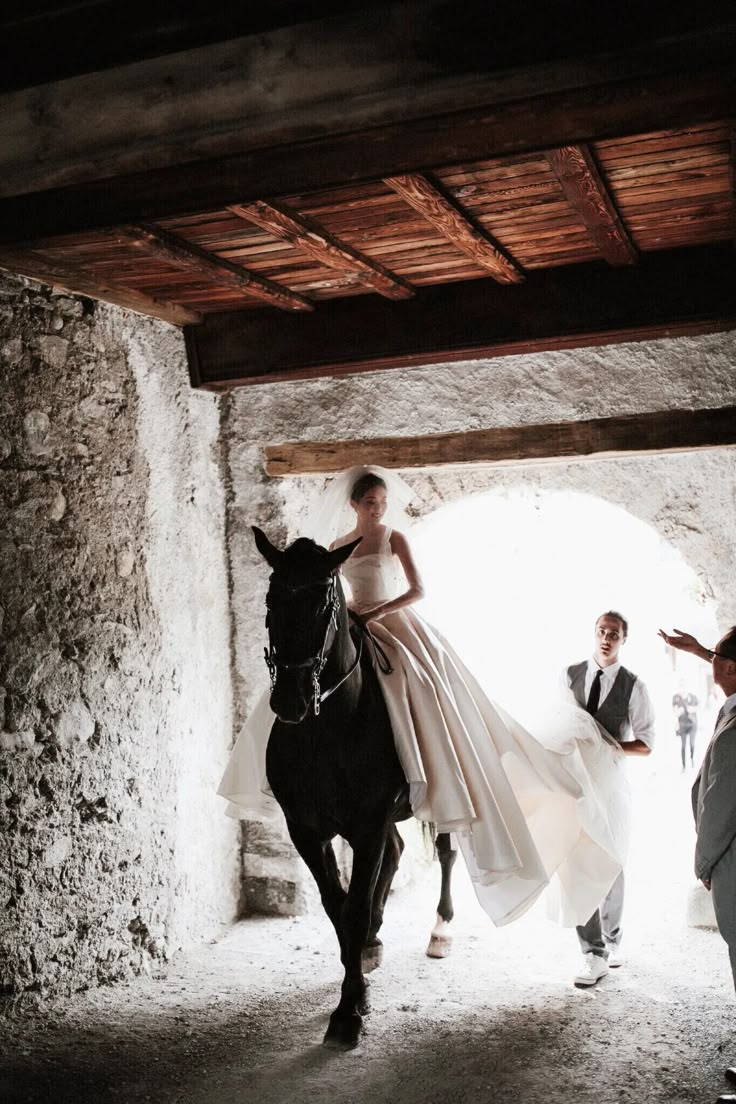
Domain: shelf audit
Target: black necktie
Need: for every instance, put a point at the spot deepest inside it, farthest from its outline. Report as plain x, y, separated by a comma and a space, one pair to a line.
594, 696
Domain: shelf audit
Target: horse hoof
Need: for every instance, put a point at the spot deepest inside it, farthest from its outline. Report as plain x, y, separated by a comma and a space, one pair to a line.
345, 1033
439, 946
372, 957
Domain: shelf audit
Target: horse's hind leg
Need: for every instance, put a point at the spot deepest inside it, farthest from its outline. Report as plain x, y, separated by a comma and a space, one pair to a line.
373, 951
440, 941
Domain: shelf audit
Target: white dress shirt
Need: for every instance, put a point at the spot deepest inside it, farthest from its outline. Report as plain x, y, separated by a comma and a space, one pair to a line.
729, 705
641, 710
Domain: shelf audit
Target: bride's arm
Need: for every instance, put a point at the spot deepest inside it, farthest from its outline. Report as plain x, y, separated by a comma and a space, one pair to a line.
400, 548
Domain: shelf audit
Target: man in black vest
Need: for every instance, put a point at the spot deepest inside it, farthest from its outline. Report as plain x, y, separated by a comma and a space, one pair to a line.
622, 708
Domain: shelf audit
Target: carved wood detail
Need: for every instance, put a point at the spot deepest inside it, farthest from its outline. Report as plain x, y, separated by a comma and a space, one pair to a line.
577, 172
68, 278
313, 239
454, 224
184, 254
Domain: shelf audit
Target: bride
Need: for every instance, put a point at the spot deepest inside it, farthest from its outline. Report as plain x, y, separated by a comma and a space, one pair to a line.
522, 809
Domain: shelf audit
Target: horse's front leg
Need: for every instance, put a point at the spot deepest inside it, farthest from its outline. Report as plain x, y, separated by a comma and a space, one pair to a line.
373, 950
346, 1022
440, 941
319, 856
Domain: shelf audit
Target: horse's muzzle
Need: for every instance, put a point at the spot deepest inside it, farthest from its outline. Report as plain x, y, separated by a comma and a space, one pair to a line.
288, 700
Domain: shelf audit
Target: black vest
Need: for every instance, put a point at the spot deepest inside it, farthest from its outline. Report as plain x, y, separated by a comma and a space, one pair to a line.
613, 715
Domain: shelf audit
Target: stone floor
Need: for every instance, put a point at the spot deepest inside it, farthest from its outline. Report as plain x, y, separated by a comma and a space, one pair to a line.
241, 1020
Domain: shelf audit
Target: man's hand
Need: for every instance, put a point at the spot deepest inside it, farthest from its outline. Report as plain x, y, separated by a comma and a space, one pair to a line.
635, 747
706, 883
684, 642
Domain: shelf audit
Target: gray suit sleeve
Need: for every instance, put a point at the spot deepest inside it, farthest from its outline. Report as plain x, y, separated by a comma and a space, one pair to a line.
694, 793
717, 827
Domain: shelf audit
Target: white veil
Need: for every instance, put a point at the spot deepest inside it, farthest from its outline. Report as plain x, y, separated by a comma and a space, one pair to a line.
331, 515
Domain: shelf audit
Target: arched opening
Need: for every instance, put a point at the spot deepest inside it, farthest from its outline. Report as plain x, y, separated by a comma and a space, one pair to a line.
515, 579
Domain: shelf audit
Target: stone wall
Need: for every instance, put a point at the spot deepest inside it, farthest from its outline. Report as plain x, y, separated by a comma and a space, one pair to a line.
115, 707
690, 498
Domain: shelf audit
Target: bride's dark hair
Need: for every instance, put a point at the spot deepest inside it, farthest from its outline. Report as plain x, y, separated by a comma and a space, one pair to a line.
366, 483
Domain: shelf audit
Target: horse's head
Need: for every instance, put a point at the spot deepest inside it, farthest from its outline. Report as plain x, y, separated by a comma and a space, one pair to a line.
304, 601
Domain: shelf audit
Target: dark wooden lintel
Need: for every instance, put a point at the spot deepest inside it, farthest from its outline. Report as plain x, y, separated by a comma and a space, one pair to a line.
668, 294
594, 438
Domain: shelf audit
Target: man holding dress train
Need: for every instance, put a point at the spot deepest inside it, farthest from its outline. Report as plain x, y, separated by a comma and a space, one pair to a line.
619, 703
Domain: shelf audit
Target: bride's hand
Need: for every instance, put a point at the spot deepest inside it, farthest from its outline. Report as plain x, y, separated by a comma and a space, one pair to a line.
372, 613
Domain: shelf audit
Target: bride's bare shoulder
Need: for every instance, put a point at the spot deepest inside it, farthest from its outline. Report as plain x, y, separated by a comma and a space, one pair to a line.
397, 540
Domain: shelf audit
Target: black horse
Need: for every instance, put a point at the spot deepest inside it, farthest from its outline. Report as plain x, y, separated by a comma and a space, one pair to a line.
332, 765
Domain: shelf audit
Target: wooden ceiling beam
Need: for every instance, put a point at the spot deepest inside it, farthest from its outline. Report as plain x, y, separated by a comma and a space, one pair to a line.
422, 59
526, 117
577, 172
177, 251
455, 225
306, 234
669, 293
589, 439
733, 180
65, 277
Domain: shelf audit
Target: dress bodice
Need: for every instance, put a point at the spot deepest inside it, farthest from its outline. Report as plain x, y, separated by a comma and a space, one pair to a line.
373, 578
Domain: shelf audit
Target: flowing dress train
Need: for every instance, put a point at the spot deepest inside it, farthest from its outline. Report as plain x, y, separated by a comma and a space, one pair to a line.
522, 809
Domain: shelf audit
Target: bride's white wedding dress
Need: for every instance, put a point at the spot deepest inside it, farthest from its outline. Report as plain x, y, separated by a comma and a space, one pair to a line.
522, 809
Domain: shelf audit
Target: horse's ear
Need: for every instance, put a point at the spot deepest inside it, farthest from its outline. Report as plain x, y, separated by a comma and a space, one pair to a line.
270, 553
341, 554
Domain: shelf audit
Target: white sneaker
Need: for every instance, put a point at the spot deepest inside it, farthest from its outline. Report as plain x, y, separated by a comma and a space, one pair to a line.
615, 956
594, 968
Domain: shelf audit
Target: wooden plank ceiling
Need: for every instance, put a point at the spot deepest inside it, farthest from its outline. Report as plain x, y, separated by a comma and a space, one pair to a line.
419, 240
493, 219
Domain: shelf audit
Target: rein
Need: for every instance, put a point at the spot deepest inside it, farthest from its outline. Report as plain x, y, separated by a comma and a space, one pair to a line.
317, 662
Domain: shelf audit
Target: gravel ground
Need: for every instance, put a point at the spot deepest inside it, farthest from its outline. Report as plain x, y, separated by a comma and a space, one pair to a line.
242, 1019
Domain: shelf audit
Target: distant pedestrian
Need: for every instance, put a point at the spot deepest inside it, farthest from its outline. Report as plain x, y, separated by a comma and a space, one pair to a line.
684, 705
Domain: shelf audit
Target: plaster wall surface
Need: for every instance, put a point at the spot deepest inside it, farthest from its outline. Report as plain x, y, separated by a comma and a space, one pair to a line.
115, 707
689, 498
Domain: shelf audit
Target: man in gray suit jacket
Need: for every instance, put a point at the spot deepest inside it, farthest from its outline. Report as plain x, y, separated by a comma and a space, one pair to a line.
714, 797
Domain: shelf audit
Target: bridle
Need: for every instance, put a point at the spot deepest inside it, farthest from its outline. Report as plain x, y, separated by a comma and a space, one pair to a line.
318, 661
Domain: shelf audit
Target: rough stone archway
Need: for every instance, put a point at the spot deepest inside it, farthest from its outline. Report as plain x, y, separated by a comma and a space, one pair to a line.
689, 498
